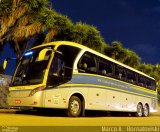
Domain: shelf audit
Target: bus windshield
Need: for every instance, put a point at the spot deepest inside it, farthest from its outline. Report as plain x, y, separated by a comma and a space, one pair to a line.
31, 69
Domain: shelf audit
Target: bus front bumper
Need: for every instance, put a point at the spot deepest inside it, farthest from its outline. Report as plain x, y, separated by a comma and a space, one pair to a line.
30, 101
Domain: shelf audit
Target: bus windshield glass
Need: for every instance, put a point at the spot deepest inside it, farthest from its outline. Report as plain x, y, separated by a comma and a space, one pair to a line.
32, 66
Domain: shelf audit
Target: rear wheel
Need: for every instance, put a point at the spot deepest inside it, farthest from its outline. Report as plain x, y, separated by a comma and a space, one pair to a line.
146, 111
139, 112
74, 107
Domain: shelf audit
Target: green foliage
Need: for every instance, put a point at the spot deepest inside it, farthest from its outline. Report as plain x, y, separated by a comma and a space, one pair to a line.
151, 70
35, 5
156, 73
158, 92
19, 21
146, 68
132, 59
5, 6
126, 56
116, 51
62, 29
88, 36
47, 18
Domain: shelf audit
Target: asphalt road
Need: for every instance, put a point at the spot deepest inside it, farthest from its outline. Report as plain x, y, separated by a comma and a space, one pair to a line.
56, 118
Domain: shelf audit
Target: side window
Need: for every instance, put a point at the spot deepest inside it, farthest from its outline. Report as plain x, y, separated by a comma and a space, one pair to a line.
69, 55
105, 67
150, 84
87, 63
131, 77
141, 81
153, 85
57, 67
120, 72
56, 72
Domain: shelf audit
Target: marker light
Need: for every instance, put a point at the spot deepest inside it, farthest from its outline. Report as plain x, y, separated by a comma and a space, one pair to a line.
29, 53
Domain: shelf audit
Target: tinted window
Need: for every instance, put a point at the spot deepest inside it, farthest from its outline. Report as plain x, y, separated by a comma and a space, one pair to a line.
56, 72
69, 55
87, 63
131, 76
120, 72
150, 84
30, 69
140, 80
105, 67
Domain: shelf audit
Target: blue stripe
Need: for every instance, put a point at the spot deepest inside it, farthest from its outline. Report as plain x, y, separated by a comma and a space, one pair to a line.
108, 82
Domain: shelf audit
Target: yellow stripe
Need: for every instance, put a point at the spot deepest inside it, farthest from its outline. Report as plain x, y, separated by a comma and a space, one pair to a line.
136, 87
27, 87
94, 85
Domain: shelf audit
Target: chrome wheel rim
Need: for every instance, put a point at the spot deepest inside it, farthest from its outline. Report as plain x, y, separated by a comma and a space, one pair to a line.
75, 106
139, 110
146, 111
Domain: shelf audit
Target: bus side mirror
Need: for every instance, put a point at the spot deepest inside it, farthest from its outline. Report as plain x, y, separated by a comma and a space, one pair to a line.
5, 64
42, 54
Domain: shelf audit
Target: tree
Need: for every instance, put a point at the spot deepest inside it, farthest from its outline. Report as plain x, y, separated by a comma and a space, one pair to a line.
146, 68
18, 21
61, 29
132, 59
22, 21
1, 69
64, 29
126, 56
116, 51
156, 73
89, 36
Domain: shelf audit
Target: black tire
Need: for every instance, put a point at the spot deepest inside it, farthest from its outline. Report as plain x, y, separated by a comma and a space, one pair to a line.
74, 107
139, 112
146, 111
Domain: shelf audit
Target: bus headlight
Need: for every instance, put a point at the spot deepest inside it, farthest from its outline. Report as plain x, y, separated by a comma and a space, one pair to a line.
36, 90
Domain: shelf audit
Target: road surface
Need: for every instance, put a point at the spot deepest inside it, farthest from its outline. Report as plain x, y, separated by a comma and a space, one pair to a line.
9, 117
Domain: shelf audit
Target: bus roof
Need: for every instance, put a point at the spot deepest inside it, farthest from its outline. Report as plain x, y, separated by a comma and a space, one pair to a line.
57, 43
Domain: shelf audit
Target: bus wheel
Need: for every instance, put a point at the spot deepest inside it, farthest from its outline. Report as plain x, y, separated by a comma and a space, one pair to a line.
74, 107
139, 112
146, 111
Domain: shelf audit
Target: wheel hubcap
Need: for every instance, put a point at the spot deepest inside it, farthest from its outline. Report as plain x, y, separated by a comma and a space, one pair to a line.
139, 110
74, 106
146, 111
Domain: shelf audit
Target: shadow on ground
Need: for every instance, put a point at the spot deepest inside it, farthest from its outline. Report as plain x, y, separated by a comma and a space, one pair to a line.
63, 113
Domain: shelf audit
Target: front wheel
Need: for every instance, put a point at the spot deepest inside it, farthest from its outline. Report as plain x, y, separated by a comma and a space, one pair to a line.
74, 107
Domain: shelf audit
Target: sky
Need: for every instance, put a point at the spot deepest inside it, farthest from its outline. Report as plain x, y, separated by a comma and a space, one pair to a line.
135, 23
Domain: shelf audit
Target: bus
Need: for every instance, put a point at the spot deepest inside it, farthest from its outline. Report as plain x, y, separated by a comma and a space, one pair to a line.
69, 76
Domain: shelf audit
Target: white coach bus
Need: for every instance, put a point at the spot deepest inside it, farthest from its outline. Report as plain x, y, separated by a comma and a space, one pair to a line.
67, 75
